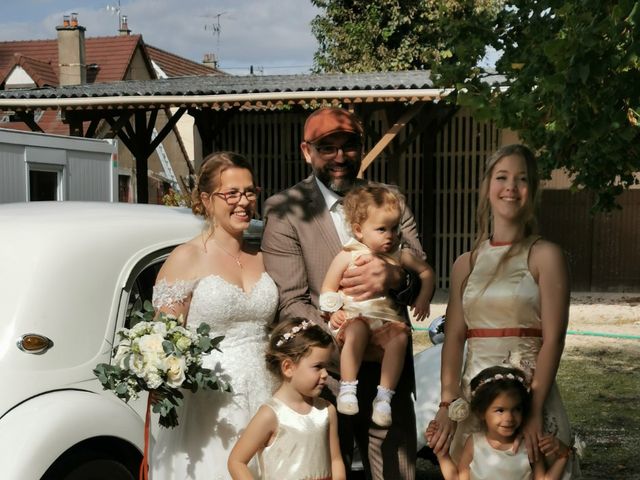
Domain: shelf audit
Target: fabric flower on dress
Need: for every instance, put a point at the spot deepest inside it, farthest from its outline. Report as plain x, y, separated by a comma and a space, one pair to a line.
521, 362
330, 301
459, 410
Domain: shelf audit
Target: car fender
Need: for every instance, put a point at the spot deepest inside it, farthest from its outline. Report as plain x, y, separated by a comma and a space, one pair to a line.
427, 368
36, 432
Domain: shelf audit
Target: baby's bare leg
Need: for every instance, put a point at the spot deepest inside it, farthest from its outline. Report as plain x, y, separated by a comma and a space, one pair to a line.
356, 338
393, 361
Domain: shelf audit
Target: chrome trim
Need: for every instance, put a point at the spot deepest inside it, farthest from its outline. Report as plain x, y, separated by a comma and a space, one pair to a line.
34, 352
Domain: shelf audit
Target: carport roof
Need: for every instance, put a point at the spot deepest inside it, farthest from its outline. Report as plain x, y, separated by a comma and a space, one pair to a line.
223, 92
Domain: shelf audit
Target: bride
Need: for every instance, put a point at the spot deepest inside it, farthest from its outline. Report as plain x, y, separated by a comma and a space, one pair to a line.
217, 279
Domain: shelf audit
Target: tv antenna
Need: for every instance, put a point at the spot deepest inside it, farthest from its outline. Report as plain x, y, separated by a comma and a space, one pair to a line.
115, 10
214, 28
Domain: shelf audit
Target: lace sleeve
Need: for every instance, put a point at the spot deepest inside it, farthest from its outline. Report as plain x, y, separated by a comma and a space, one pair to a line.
166, 294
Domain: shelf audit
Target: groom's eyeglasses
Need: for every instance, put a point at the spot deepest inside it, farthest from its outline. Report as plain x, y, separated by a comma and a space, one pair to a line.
331, 151
233, 196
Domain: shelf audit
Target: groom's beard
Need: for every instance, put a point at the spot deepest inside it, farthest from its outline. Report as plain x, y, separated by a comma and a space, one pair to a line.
342, 184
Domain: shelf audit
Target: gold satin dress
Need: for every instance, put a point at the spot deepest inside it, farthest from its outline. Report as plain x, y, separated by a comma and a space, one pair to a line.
381, 314
300, 450
502, 315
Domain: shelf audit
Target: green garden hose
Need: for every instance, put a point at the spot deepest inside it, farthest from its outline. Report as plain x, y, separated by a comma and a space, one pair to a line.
578, 332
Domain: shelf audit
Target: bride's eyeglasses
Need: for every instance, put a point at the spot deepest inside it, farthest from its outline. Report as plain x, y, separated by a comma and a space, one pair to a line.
233, 196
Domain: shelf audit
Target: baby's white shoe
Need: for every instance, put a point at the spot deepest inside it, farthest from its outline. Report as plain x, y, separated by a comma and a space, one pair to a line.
381, 414
347, 403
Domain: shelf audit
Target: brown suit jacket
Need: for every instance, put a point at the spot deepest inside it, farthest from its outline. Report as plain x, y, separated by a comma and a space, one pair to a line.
298, 243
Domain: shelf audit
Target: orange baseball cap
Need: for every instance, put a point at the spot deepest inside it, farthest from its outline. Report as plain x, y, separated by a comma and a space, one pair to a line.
328, 120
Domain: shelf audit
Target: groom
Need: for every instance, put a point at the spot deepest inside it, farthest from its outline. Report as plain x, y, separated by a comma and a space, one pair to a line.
303, 232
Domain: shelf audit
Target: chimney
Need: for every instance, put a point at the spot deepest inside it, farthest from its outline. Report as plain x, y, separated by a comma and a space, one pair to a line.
71, 56
124, 26
210, 60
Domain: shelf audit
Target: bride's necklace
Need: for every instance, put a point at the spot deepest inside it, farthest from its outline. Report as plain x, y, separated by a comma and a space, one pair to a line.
236, 258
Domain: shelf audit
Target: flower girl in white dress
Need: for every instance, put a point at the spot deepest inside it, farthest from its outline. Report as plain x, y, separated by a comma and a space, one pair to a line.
295, 434
500, 400
216, 278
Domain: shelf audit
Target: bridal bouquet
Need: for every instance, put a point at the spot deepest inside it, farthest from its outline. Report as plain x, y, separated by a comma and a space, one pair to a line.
162, 355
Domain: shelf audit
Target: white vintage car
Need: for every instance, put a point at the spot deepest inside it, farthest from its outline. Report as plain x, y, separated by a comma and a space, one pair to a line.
72, 273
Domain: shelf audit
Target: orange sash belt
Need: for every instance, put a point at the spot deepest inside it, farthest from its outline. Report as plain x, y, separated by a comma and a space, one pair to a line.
503, 332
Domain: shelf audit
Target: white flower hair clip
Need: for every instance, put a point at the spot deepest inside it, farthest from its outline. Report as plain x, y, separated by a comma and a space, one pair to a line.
500, 376
293, 332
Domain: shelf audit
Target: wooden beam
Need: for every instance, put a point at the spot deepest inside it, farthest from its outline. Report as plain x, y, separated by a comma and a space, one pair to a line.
423, 122
141, 138
122, 135
116, 125
202, 120
27, 118
388, 137
162, 134
151, 122
93, 127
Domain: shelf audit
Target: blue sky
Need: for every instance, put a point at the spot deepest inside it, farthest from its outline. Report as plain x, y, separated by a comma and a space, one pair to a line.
272, 35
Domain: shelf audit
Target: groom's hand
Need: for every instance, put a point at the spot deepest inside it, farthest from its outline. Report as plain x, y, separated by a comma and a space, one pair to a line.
371, 277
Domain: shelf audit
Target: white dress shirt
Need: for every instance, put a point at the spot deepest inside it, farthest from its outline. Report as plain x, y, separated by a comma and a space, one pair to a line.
334, 205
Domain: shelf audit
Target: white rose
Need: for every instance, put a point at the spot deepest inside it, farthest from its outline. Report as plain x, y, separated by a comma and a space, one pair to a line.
459, 410
136, 364
150, 344
330, 301
181, 330
159, 327
175, 371
139, 329
153, 379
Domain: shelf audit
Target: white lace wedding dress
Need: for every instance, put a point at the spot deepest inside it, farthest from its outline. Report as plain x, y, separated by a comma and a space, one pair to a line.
212, 421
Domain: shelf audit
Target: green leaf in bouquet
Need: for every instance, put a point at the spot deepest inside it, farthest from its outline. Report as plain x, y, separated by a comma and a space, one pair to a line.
148, 306
168, 347
203, 329
204, 344
170, 419
101, 373
122, 390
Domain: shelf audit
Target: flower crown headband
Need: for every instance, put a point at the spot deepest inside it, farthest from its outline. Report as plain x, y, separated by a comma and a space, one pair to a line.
500, 376
293, 332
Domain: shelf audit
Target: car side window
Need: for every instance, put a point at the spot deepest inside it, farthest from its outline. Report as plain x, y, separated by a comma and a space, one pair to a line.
140, 285
141, 291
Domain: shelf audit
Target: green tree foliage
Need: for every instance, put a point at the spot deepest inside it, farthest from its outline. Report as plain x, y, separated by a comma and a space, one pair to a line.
571, 69
390, 35
573, 77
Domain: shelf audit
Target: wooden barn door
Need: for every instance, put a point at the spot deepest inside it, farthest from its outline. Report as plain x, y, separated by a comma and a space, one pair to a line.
460, 152
602, 249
